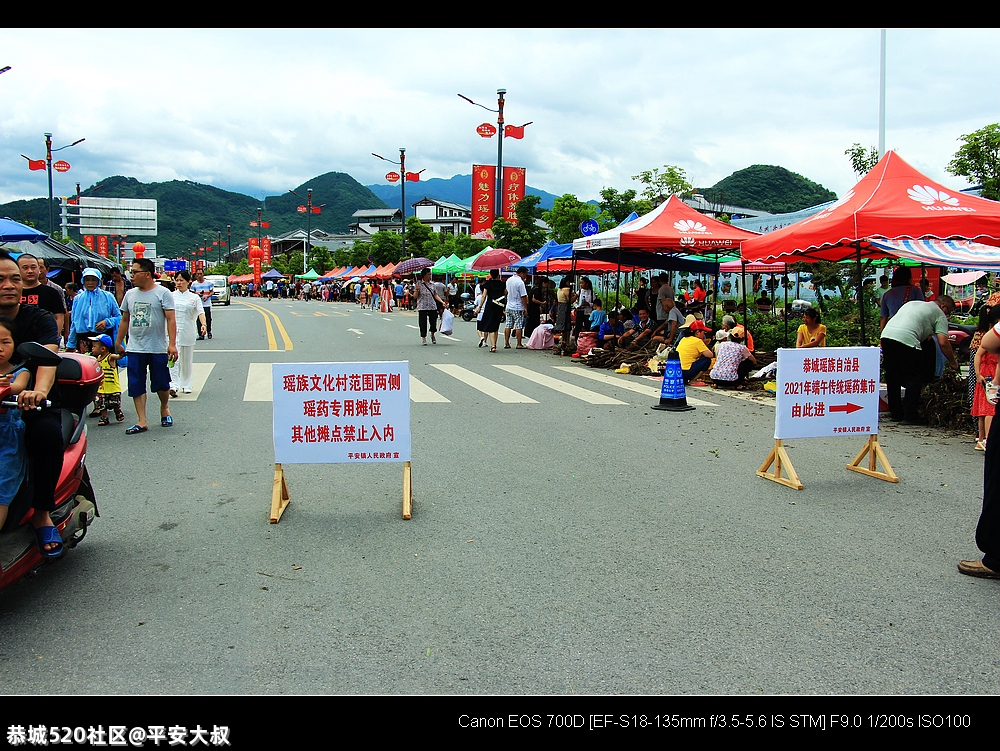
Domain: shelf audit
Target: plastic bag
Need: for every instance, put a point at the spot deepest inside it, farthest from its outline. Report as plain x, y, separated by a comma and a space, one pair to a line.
447, 323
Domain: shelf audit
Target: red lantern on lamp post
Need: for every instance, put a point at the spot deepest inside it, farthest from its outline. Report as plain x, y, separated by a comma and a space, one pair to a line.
138, 250
255, 256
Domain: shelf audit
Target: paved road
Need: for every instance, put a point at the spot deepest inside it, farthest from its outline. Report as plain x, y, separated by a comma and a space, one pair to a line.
566, 539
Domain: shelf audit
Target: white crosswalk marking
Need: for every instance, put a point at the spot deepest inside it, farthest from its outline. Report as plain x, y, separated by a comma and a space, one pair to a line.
488, 387
200, 372
591, 397
421, 392
258, 387
625, 383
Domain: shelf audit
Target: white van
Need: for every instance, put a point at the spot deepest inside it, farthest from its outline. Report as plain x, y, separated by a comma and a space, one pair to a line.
221, 284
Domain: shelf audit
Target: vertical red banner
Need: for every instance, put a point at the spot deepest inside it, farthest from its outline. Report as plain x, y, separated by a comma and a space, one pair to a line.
88, 242
513, 191
484, 180
102, 245
265, 246
256, 272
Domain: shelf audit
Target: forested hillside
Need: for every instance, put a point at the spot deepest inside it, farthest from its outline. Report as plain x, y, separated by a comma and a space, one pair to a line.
768, 188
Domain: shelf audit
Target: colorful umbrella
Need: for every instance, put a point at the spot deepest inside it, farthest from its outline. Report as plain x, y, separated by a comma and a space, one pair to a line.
412, 264
495, 259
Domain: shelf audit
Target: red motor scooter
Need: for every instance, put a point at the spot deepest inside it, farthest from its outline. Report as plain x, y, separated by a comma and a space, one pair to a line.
79, 378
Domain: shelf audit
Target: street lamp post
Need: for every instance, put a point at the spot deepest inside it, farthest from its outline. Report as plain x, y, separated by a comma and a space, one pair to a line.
48, 166
498, 204
402, 189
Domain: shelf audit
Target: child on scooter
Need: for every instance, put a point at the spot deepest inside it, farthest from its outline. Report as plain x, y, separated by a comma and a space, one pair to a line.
13, 460
110, 394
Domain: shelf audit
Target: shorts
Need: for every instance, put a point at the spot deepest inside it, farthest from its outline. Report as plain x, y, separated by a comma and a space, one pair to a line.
159, 374
515, 319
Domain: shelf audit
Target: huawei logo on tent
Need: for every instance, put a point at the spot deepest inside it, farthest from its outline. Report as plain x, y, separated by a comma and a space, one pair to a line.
927, 195
690, 225
934, 200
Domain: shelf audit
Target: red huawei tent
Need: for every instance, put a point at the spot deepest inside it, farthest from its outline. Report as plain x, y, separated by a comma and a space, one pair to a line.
672, 227
892, 201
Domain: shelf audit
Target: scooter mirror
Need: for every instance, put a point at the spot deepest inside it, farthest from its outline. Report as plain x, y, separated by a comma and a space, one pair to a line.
35, 354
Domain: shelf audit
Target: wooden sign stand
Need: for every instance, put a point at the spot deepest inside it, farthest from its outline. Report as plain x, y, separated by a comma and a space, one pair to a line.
280, 498
407, 491
875, 454
279, 494
780, 461
779, 458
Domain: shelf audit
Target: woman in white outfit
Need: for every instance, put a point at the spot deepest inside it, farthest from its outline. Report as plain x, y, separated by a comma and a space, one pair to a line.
190, 316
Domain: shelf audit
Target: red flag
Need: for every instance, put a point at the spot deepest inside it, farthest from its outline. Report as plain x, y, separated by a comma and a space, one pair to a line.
266, 225
36, 164
413, 177
513, 131
316, 209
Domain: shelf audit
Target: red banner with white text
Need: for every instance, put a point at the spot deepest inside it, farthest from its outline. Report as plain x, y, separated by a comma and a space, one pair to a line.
513, 191
102, 245
484, 181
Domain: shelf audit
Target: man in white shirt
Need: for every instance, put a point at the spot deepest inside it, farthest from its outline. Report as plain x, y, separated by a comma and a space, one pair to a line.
517, 305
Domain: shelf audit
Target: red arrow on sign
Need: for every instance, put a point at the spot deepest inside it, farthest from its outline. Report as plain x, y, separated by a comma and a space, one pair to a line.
848, 408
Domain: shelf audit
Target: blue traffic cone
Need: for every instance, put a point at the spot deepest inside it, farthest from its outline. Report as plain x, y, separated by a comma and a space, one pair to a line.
673, 395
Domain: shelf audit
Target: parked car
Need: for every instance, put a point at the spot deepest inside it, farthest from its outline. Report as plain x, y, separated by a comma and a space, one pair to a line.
221, 284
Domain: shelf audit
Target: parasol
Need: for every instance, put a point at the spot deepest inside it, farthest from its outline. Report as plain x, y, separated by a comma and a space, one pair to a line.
412, 264
495, 259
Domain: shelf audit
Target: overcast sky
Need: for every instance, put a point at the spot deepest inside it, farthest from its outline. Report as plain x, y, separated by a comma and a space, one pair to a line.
263, 111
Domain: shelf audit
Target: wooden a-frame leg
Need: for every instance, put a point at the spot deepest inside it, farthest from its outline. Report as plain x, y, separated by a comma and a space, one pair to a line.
279, 494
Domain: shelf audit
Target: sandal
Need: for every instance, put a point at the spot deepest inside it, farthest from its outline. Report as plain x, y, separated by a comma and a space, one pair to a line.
493, 349
166, 422
49, 536
119, 415
103, 421
135, 429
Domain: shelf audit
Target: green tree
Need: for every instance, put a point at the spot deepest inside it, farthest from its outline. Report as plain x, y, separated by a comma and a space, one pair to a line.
978, 159
567, 214
417, 233
525, 237
320, 259
862, 160
620, 205
662, 185
385, 247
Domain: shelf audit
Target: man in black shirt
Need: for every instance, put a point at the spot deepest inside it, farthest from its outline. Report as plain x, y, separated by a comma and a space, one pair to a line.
43, 435
36, 292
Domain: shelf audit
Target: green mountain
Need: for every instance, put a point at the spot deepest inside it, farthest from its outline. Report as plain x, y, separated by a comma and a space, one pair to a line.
190, 212
768, 188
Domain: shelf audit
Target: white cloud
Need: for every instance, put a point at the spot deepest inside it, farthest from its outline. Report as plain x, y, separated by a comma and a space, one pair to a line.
262, 111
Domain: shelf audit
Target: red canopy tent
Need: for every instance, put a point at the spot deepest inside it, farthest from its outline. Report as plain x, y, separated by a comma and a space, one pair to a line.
672, 228
892, 201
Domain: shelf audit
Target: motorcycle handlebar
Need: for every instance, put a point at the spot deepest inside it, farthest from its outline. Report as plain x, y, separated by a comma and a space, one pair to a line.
12, 404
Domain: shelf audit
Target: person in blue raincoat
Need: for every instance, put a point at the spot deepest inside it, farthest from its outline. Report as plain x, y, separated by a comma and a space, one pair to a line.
95, 311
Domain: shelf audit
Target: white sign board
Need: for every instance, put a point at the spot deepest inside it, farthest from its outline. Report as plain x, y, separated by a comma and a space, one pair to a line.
827, 392
341, 412
116, 216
